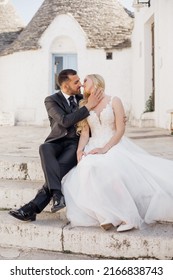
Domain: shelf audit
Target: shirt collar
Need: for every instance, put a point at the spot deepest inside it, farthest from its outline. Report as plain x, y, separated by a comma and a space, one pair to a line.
67, 96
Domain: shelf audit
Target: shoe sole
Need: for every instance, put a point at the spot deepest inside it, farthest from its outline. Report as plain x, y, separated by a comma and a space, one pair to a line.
122, 228
106, 226
33, 218
53, 210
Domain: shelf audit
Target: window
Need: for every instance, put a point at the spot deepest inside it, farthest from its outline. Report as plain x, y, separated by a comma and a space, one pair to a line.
109, 55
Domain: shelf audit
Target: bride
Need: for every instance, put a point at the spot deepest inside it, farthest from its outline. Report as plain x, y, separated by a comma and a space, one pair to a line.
115, 183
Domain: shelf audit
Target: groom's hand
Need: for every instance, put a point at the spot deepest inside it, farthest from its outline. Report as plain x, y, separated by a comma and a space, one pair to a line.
94, 98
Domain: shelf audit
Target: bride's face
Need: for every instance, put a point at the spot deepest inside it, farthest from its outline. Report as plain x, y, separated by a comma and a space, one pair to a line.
88, 84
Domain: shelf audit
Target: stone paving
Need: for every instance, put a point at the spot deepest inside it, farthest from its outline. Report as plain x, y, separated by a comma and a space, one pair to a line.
24, 141
156, 141
15, 253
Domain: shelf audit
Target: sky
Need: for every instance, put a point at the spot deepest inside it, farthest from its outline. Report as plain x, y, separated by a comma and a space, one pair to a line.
27, 8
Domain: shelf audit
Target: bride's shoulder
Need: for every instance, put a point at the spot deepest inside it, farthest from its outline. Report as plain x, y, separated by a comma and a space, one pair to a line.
110, 97
116, 100
117, 104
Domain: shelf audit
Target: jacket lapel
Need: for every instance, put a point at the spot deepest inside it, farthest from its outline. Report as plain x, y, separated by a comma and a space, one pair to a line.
62, 102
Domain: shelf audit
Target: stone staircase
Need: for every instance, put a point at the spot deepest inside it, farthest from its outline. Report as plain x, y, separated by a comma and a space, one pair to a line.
20, 178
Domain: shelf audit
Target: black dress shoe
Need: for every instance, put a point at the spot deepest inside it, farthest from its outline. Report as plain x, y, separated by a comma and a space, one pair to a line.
22, 215
58, 203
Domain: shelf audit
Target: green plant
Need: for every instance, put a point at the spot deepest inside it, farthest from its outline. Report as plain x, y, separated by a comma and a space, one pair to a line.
149, 105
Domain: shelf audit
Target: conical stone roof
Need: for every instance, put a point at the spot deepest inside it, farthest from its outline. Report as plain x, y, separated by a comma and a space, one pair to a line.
10, 24
105, 22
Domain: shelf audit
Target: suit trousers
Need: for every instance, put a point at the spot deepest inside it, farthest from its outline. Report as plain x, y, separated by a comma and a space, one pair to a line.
57, 158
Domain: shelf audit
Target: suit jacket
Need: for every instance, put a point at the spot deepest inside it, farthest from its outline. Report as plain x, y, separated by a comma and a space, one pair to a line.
60, 117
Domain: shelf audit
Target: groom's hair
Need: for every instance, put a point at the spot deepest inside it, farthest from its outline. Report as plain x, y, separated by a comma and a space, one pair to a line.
64, 75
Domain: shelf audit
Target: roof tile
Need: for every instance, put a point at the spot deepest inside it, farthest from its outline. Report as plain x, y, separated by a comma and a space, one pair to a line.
105, 22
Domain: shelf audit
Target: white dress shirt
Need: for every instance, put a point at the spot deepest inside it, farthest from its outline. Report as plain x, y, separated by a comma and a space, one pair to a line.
67, 98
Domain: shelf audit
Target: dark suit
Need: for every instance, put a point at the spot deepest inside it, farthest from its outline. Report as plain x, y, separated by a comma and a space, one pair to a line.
58, 153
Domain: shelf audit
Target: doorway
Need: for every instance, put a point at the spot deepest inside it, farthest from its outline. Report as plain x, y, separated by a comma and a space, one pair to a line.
60, 62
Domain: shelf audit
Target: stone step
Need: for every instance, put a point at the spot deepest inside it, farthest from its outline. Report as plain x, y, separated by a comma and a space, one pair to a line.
20, 168
15, 193
53, 232
16, 253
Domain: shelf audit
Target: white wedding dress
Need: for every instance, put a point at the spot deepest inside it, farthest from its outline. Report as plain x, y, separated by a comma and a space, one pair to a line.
124, 185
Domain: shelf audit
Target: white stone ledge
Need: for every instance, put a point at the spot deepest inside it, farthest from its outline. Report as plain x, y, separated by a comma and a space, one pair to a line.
52, 232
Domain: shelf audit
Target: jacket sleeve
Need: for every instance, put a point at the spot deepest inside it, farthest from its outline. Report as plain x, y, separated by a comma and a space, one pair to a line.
63, 118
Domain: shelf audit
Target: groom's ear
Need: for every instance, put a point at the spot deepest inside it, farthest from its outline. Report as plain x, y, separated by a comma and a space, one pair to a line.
64, 86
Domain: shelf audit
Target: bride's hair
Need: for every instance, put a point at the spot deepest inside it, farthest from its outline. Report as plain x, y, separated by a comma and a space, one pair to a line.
98, 82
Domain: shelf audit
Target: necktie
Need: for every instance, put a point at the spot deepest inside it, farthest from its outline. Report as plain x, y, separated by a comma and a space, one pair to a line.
73, 104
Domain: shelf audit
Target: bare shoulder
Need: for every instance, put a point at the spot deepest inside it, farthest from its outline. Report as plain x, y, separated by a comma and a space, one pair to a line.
116, 101
117, 106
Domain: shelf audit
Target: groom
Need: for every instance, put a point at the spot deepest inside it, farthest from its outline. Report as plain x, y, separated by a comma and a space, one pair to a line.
58, 153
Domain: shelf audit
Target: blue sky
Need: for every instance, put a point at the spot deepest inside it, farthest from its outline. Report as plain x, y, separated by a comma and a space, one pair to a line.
27, 8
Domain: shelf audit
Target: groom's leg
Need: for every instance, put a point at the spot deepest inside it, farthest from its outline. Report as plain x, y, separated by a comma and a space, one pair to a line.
49, 154
57, 159
41, 199
68, 159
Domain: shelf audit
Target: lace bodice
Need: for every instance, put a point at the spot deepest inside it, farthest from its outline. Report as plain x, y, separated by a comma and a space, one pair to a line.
102, 126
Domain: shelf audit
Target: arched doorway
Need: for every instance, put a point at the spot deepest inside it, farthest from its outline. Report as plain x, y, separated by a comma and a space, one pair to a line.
64, 56
60, 62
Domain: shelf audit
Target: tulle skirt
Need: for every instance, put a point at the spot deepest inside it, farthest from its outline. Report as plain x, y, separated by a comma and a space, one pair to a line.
125, 185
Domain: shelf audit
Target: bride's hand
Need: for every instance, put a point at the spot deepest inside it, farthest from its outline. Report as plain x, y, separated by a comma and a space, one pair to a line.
80, 154
98, 151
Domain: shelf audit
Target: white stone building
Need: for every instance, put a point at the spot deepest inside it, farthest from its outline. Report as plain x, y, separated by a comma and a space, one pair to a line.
90, 36
10, 27
152, 44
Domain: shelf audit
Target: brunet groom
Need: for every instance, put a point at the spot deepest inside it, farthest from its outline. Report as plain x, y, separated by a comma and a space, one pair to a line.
58, 153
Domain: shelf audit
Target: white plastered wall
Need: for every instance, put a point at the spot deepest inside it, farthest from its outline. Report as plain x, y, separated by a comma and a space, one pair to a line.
26, 76
160, 13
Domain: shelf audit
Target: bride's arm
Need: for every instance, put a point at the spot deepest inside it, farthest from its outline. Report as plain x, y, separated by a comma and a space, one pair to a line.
119, 124
83, 140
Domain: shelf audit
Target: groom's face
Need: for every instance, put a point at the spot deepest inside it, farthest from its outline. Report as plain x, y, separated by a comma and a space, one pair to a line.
73, 85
